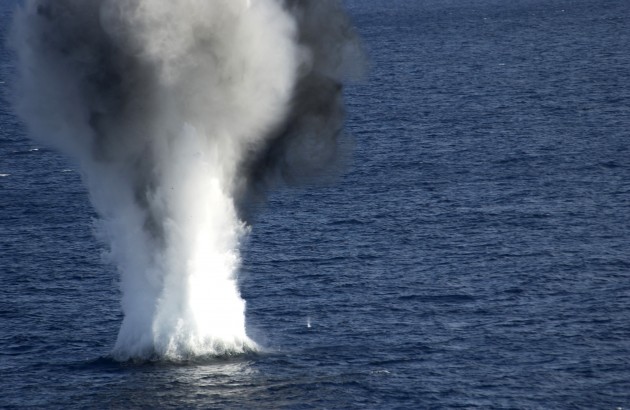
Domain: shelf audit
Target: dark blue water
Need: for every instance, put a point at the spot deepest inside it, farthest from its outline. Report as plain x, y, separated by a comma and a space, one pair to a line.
474, 254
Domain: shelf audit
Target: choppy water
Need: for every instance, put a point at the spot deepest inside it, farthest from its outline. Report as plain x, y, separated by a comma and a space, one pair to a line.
474, 254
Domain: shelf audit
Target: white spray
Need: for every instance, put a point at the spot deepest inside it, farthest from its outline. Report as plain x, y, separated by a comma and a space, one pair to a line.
180, 113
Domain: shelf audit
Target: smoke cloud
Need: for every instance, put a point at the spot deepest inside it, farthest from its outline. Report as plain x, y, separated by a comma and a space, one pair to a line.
181, 114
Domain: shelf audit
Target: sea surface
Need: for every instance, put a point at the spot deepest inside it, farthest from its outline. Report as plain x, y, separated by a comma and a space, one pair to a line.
475, 253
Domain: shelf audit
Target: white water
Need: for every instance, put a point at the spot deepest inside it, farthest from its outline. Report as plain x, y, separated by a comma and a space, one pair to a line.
164, 103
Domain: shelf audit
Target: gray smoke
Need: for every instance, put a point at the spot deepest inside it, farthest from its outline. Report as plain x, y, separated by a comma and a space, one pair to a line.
306, 143
181, 114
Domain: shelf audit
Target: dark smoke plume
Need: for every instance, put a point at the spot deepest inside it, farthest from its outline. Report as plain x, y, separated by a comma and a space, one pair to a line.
181, 113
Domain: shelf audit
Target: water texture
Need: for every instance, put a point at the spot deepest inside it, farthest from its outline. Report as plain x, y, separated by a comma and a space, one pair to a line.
474, 254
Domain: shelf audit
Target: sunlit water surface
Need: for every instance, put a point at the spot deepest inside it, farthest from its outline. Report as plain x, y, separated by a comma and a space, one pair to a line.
474, 254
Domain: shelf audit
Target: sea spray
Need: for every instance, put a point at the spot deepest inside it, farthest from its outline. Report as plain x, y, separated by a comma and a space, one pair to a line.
181, 114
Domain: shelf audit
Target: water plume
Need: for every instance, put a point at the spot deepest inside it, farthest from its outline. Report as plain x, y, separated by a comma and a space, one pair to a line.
181, 114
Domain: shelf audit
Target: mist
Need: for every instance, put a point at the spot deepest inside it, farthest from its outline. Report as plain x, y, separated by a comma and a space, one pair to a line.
182, 115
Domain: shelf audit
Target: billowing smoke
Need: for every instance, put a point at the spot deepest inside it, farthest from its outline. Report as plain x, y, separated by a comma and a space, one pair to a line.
181, 114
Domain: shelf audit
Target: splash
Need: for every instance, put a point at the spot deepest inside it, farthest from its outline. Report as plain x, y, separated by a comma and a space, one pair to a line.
182, 114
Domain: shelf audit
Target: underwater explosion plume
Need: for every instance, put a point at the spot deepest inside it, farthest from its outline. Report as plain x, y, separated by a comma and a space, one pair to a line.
180, 114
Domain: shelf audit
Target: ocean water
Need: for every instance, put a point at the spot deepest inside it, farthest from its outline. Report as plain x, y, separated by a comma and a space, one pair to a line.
474, 254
